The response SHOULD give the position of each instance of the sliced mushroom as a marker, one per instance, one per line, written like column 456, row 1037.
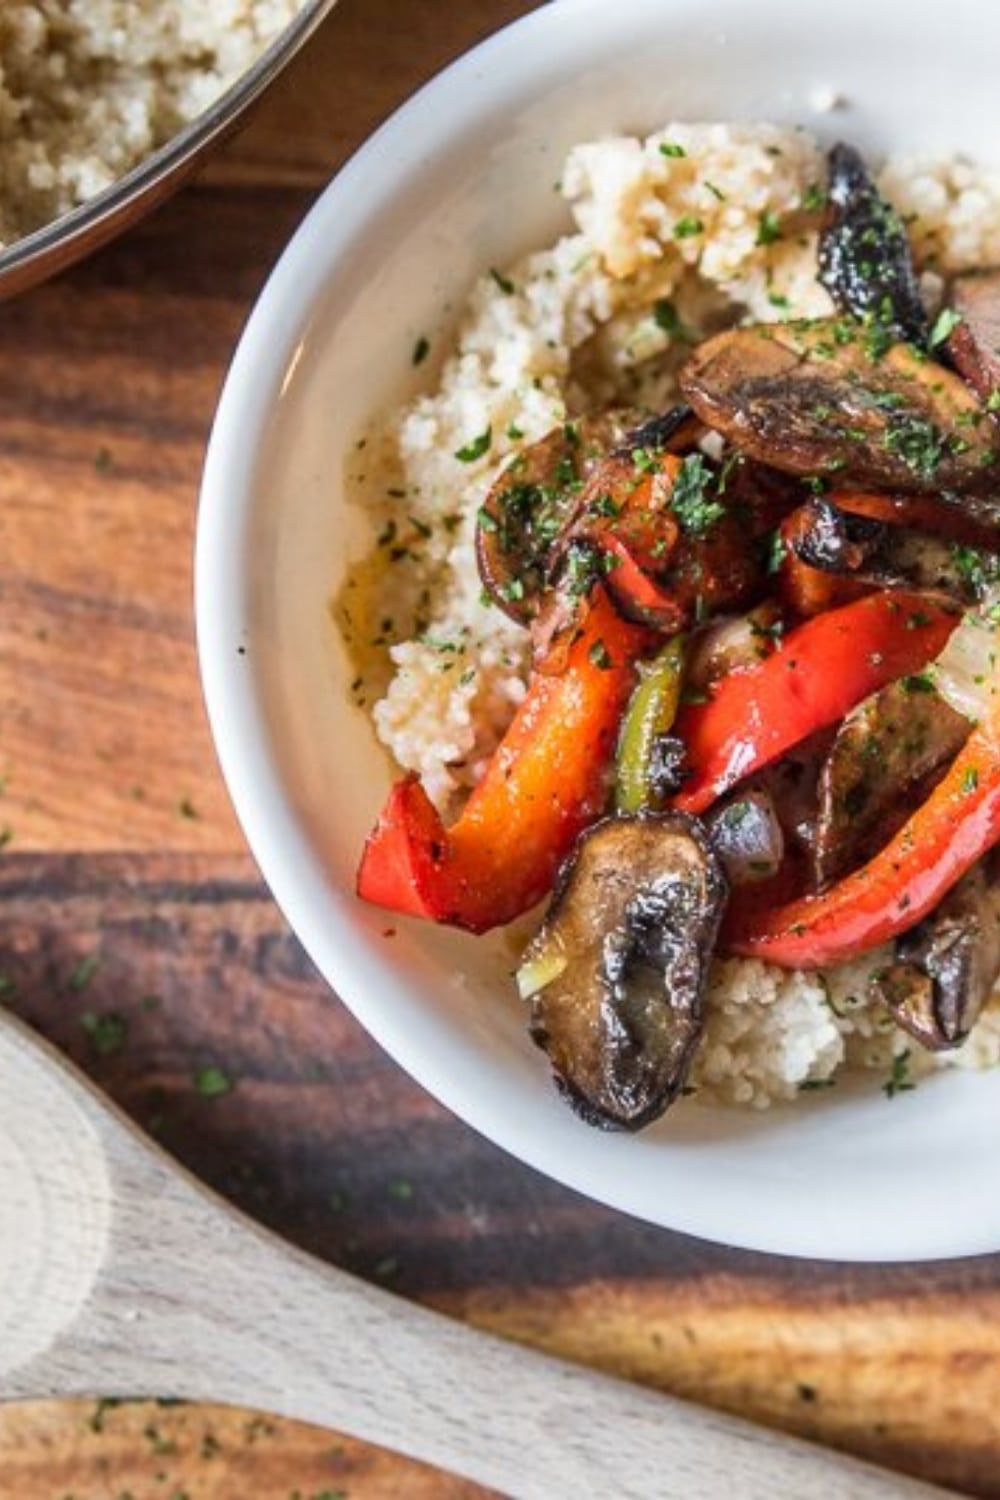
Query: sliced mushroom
column 865, row 261
column 818, row 399
column 892, row 556
column 945, row 968
column 887, row 756
column 974, row 344
column 530, row 503
column 616, row 975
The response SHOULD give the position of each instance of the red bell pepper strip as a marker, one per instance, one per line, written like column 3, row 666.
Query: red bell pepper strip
column 820, row 672
column 546, row 781
column 895, row 890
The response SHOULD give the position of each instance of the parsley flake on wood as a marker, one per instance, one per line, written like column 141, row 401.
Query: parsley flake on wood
column 691, row 505
column 106, row 1033
column 478, row 447
column 421, row 349
column 211, row 1082
column 84, row 972
column 503, row 282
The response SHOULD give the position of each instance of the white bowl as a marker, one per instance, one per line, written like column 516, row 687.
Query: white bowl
column 461, row 179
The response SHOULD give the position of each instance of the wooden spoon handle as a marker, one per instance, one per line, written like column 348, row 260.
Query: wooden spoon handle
column 167, row 1290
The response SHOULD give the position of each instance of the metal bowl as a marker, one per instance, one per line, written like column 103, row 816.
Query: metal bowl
column 73, row 235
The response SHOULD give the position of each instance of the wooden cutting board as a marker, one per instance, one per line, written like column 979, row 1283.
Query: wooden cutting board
column 135, row 933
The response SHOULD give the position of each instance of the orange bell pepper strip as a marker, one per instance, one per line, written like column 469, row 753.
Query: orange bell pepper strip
column 958, row 824
column 547, row 780
column 821, row 670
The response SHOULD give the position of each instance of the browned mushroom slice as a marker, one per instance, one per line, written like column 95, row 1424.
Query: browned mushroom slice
column 530, row 502
column 888, row 754
column 816, row 399
column 616, row 975
column 839, row 541
column 944, row 968
column 865, row 261
column 974, row 344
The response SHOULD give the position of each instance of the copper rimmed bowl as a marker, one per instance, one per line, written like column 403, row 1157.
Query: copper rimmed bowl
column 73, row 235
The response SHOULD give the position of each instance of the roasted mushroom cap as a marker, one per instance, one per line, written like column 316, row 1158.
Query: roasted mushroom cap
column 531, row 501
column 974, row 344
column 865, row 261
column 892, row 556
column 820, row 399
column 946, row 966
column 885, row 760
column 617, row 972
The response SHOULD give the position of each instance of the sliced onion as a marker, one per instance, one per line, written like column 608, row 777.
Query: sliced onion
column 538, row 970
column 967, row 673
column 747, row 837
column 732, row 644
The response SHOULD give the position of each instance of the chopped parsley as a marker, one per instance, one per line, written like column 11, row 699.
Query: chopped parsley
column 666, row 316
column 946, row 323
column 916, row 441
column 671, row 149
column 696, row 513
column 600, row 656
column 970, row 781
column 503, row 282
column 976, row 569
column 919, row 682
column 776, row 553
column 476, row 448
column 687, row 227
column 768, row 227
column 899, row 1081
column 813, row 199
column 421, row 349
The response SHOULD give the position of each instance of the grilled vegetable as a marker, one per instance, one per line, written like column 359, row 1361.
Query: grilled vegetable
column 531, row 501
column 545, row 782
column 616, row 975
column 891, row 556
column 974, row 344
column 865, row 261
column 887, row 755
column 820, row 671
column 673, row 539
column 640, row 781
column 945, row 967
column 956, row 826
column 817, row 399
column 746, row 834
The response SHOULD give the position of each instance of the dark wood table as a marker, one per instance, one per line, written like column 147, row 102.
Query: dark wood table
column 136, row 933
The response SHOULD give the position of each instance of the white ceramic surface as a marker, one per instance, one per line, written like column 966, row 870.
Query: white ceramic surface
column 458, row 180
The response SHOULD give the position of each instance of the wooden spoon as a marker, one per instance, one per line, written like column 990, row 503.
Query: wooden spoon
column 121, row 1275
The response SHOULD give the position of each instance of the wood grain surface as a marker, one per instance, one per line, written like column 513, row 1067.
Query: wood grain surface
column 135, row 933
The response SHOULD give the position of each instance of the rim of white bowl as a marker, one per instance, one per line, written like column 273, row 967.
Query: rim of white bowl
column 323, row 918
